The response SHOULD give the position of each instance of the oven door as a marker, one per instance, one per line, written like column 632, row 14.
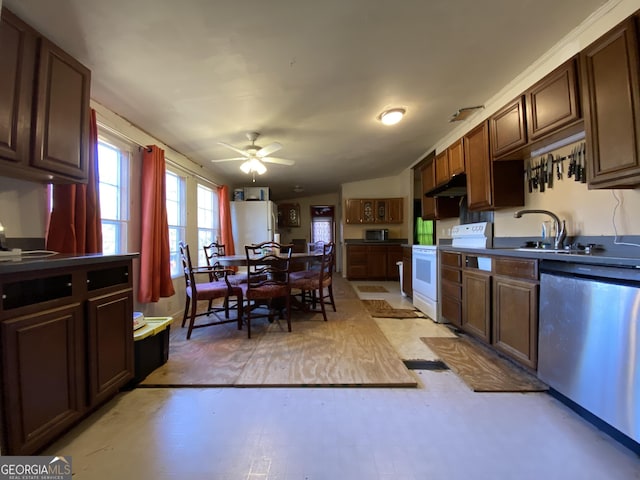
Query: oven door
column 425, row 280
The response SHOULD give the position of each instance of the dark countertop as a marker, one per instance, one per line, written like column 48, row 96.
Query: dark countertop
column 596, row 258
column 32, row 262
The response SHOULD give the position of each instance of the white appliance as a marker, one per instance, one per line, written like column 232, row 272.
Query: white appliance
column 425, row 280
column 252, row 222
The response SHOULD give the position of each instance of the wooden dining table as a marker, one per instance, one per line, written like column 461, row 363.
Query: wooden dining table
column 241, row 260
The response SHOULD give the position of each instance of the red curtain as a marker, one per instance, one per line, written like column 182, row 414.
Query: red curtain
column 155, row 259
column 74, row 225
column 226, row 233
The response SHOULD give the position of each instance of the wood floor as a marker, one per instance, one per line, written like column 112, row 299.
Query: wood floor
column 347, row 350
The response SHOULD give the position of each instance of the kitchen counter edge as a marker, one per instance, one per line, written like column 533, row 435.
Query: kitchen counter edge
column 591, row 259
column 59, row 260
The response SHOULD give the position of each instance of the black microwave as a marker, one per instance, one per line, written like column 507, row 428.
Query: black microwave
column 376, row 235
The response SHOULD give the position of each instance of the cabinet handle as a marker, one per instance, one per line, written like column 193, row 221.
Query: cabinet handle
column 69, row 284
column 88, row 281
column 4, row 296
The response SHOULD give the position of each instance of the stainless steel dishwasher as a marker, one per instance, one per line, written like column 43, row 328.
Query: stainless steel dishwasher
column 589, row 339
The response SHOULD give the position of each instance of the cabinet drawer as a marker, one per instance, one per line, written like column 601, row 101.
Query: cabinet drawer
column 452, row 290
column 451, row 259
column 108, row 277
column 452, row 310
column 516, row 267
column 451, row 275
column 36, row 290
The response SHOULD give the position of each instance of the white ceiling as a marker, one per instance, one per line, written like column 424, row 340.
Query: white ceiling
column 310, row 75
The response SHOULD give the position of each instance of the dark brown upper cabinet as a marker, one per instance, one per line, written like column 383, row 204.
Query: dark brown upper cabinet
column 44, row 107
column 439, row 207
column 17, row 65
column 611, row 91
column 450, row 162
column 553, row 102
column 476, row 151
column 508, row 128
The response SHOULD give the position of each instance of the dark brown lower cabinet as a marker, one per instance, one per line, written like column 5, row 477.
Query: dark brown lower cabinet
column 407, row 271
column 43, row 376
column 451, row 287
column 373, row 262
column 476, row 304
column 66, row 337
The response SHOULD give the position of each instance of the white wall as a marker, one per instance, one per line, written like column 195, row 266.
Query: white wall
column 23, row 208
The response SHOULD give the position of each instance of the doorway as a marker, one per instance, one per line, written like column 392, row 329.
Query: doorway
column 323, row 225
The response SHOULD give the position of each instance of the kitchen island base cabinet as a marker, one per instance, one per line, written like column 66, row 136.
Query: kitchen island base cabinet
column 66, row 339
column 43, row 375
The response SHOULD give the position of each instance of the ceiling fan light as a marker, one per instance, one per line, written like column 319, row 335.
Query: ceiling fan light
column 246, row 166
column 260, row 168
column 392, row 116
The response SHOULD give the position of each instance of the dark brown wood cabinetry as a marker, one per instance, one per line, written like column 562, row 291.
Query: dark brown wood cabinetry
column 490, row 184
column 442, row 167
column 440, row 207
column 450, row 162
column 373, row 262
column 611, row 89
column 554, row 102
column 476, row 151
column 508, row 128
column 515, row 309
column 476, row 304
column 379, row 210
column 44, row 107
column 407, row 271
column 451, row 287
column 67, row 346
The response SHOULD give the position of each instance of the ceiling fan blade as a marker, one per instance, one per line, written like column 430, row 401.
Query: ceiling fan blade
column 271, row 148
column 229, row 159
column 280, row 161
column 235, row 149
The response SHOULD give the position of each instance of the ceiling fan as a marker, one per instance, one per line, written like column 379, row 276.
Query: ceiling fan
column 254, row 155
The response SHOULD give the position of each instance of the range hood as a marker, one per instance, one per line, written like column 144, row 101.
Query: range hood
column 456, row 187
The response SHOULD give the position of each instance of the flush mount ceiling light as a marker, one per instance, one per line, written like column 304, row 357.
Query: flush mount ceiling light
column 464, row 113
column 298, row 189
column 392, row 116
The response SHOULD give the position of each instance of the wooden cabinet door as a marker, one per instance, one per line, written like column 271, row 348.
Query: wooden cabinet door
column 394, row 255
column 352, row 212
column 456, row 158
column 515, row 319
column 61, row 140
column 553, row 102
column 395, row 210
column 381, row 211
column 377, row 263
column 508, row 128
column 43, row 368
column 110, row 344
column 478, row 163
column 436, row 208
column 442, row 167
column 476, row 304
column 356, row 262
column 368, row 212
column 611, row 89
column 407, row 271
column 17, row 64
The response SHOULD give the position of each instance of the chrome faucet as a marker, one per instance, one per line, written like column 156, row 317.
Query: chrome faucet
column 561, row 232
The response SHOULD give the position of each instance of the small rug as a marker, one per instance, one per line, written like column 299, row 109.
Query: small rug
column 372, row 289
column 482, row 369
column 381, row 308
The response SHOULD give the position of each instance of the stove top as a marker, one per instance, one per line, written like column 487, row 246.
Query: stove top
column 473, row 235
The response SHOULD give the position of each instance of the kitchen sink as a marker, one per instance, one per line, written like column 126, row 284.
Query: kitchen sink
column 541, row 250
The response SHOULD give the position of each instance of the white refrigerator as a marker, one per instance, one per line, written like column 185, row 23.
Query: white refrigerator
column 252, row 222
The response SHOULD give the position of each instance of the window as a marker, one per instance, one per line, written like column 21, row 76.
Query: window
column 113, row 170
column 322, row 223
column 208, row 221
column 175, row 218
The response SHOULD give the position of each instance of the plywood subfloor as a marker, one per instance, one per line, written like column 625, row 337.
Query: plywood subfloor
column 382, row 308
column 481, row 369
column 372, row 289
column 347, row 350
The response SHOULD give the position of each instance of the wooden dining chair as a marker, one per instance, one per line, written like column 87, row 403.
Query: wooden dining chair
column 215, row 250
column 317, row 281
column 268, row 270
column 215, row 286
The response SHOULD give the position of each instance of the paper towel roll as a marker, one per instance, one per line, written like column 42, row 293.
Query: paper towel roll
column 276, row 237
